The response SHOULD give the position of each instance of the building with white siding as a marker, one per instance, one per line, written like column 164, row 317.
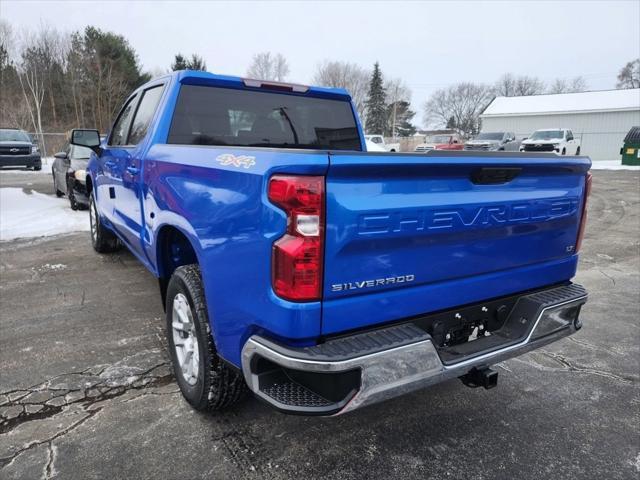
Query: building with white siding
column 600, row 119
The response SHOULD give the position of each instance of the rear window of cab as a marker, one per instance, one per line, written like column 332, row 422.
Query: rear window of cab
column 206, row 115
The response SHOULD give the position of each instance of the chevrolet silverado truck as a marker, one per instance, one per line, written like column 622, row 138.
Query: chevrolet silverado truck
column 441, row 142
column 491, row 141
column 320, row 276
column 561, row 141
column 18, row 150
column 379, row 141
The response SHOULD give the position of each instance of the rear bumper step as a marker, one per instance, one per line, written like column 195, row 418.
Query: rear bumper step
column 347, row 373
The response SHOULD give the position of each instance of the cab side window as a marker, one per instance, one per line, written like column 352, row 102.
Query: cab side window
column 121, row 127
column 144, row 114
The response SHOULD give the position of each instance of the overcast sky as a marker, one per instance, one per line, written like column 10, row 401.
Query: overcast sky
column 429, row 45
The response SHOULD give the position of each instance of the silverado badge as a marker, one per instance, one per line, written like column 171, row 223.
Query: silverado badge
column 236, row 161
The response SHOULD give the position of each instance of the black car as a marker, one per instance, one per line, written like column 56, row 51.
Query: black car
column 18, row 150
column 69, row 175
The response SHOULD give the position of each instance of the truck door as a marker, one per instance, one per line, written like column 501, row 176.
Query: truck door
column 109, row 177
column 128, row 206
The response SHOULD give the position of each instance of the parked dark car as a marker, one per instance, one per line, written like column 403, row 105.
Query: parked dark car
column 18, row 150
column 69, row 175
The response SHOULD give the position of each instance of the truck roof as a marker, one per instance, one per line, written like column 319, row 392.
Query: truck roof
column 196, row 77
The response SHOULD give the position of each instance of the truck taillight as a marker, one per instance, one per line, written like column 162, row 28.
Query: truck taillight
column 583, row 218
column 297, row 255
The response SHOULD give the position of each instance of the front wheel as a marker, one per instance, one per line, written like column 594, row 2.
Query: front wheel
column 59, row 193
column 564, row 151
column 578, row 151
column 72, row 197
column 103, row 240
column 206, row 382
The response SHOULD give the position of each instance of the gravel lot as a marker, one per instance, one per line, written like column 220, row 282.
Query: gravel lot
column 86, row 390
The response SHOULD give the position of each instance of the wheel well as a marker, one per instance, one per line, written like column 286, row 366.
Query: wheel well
column 174, row 250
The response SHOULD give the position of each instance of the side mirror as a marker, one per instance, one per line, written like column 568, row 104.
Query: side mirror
column 61, row 155
column 86, row 138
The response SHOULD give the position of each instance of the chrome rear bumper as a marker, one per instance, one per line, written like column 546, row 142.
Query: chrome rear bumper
column 375, row 366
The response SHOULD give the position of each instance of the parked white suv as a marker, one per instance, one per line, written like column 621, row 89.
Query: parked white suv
column 379, row 141
column 559, row 140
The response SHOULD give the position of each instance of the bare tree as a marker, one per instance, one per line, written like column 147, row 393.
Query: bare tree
column 268, row 66
column 629, row 76
column 505, row 86
column 526, row 85
column 398, row 94
column 463, row 103
column 573, row 85
column 353, row 78
column 509, row 85
column 32, row 77
column 13, row 110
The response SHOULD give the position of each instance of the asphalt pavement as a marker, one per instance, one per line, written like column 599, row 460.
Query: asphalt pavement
column 86, row 390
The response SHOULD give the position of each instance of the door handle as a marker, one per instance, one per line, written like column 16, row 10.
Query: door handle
column 133, row 170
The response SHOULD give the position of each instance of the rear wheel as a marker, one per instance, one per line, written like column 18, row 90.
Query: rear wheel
column 564, row 151
column 37, row 167
column 103, row 240
column 206, row 382
column 578, row 151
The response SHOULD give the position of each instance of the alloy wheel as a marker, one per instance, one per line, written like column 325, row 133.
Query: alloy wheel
column 185, row 339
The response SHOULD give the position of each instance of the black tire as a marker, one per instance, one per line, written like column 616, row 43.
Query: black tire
column 564, row 151
column 36, row 168
column 217, row 385
column 72, row 197
column 59, row 193
column 103, row 240
column 578, row 151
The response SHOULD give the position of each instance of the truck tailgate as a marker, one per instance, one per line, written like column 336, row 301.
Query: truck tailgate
column 409, row 234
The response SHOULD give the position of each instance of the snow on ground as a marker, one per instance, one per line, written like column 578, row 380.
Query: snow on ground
column 612, row 165
column 33, row 214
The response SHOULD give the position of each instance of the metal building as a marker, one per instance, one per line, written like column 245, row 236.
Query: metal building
column 600, row 119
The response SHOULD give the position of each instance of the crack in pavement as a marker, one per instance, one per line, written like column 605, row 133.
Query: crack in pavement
column 591, row 346
column 608, row 276
column 77, row 393
column 244, row 449
column 49, row 471
column 569, row 366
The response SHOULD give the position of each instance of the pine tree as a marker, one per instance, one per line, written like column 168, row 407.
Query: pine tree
column 403, row 117
column 451, row 123
column 196, row 62
column 376, row 104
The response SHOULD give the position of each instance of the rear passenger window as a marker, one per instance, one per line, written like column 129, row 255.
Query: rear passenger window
column 144, row 114
column 121, row 127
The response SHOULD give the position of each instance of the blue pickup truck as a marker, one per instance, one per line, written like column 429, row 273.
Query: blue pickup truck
column 323, row 278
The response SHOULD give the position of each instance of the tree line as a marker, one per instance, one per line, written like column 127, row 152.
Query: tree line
column 52, row 81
